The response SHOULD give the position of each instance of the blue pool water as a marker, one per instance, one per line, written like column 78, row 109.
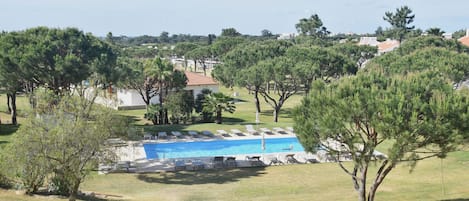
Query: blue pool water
column 220, row 148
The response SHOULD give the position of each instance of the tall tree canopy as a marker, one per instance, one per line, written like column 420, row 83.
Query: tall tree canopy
column 58, row 58
column 400, row 21
column 419, row 114
column 239, row 65
column 312, row 26
column 230, row 32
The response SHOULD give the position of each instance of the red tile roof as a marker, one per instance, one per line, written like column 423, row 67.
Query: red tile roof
column 387, row 46
column 464, row 40
column 194, row 79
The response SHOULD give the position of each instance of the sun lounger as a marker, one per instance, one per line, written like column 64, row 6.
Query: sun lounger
column 162, row 135
column 250, row 129
column 223, row 133
column 176, row 133
column 217, row 162
column 237, row 132
column 207, row 133
column 230, row 162
column 280, row 130
column 275, row 161
column 197, row 165
column 290, row 129
column 255, row 161
column 147, row 136
column 266, row 131
column 179, row 165
column 311, row 160
column 193, row 133
column 290, row 158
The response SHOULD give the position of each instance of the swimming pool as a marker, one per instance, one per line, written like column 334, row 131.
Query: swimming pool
column 220, row 148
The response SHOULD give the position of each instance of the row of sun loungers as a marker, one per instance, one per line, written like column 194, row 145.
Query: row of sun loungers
column 233, row 132
column 219, row 162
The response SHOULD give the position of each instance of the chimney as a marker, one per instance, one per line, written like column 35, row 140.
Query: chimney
column 467, row 32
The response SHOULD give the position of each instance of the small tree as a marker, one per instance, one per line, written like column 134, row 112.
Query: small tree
column 199, row 105
column 217, row 103
column 65, row 142
column 400, row 21
column 180, row 105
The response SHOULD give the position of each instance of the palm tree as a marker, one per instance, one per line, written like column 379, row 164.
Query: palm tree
column 217, row 103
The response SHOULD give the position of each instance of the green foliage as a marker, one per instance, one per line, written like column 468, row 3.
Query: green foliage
column 459, row 33
column 180, row 105
column 65, row 142
column 230, row 32
column 312, row 26
column 435, row 31
column 199, row 101
column 400, row 21
column 58, row 58
column 427, row 53
column 217, row 103
column 153, row 113
column 419, row 113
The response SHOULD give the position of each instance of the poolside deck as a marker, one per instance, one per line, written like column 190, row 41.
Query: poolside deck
column 132, row 157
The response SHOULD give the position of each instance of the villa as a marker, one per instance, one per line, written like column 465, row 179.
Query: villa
column 131, row 99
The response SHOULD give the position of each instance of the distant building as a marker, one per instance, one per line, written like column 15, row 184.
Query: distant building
column 131, row 99
column 387, row 46
column 286, row 36
column 465, row 40
column 371, row 41
column 383, row 47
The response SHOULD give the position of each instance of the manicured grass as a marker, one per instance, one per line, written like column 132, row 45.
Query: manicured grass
column 432, row 179
column 291, row 182
column 245, row 114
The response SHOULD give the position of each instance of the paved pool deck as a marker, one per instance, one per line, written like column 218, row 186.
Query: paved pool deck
column 131, row 154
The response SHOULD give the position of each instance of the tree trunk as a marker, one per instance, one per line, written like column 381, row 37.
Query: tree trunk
column 13, row 110
column 195, row 66
column 256, row 100
column 219, row 117
column 362, row 189
column 8, row 103
column 276, row 111
column 204, row 68
column 161, row 112
column 74, row 192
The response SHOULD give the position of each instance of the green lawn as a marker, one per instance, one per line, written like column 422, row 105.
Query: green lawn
column 245, row 114
column 432, row 179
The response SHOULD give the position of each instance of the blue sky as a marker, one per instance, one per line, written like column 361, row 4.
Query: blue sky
column 201, row 17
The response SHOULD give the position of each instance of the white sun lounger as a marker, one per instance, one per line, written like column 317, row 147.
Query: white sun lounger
column 223, row 133
column 162, row 135
column 266, row 131
column 147, row 136
column 192, row 133
column 237, row 132
column 176, row 133
column 280, row 130
column 207, row 133
column 289, row 128
column 250, row 129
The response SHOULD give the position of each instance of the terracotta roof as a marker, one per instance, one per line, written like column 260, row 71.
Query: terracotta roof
column 388, row 45
column 464, row 40
column 194, row 79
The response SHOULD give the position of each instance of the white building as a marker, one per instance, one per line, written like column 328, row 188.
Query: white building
column 131, row 99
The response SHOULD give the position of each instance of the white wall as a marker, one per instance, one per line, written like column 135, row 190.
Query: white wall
column 198, row 89
column 132, row 97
